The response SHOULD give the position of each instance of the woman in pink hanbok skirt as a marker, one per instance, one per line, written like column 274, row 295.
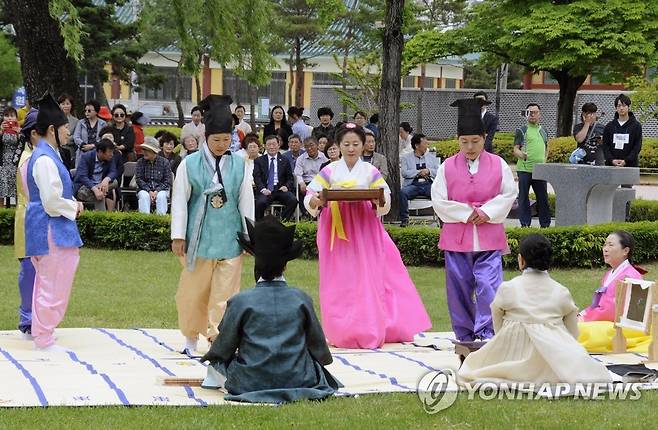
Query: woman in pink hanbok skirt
column 366, row 295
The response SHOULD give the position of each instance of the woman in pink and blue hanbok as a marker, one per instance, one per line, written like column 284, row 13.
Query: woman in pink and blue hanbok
column 366, row 295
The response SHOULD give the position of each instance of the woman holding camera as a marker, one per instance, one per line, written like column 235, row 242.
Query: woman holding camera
column 589, row 136
column 9, row 130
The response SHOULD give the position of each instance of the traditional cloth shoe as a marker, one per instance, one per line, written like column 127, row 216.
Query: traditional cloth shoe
column 51, row 348
column 190, row 346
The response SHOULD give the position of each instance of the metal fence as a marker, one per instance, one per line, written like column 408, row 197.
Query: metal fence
column 440, row 120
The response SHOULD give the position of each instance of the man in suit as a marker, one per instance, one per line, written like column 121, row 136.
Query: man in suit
column 274, row 180
column 96, row 177
column 490, row 121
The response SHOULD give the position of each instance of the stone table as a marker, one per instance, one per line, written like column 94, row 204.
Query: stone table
column 587, row 194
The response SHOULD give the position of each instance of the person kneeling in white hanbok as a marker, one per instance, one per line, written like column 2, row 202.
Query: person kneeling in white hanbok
column 535, row 321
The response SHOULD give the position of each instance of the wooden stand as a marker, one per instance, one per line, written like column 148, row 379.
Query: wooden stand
column 619, row 344
column 653, row 346
column 329, row 195
column 619, row 341
column 174, row 381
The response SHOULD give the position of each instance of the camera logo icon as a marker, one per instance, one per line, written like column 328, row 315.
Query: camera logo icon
column 435, row 391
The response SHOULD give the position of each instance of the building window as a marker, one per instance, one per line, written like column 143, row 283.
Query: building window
column 239, row 89
column 428, row 82
column 323, row 78
column 450, row 83
column 652, row 72
column 409, row 82
column 167, row 91
column 549, row 79
column 595, row 80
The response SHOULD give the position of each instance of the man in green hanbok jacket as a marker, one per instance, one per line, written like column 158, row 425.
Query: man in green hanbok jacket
column 271, row 348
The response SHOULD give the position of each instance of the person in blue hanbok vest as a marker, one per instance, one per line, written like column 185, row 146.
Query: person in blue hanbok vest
column 271, row 347
column 212, row 194
column 51, row 233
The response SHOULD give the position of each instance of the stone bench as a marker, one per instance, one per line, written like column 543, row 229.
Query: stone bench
column 587, row 194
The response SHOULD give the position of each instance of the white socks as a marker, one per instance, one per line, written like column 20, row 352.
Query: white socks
column 191, row 344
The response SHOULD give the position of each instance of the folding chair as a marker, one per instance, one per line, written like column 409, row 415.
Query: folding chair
column 127, row 187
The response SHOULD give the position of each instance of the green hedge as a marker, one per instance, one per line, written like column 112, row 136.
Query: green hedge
column 150, row 130
column 559, row 149
column 578, row 246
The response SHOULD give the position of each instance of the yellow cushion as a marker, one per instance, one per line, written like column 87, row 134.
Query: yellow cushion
column 596, row 337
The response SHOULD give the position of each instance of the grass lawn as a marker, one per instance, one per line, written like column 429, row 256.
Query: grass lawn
column 123, row 289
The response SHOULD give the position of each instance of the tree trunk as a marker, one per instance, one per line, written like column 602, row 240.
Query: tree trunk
column 45, row 65
column 346, row 55
column 203, row 61
column 252, row 109
column 299, row 74
column 291, row 70
column 421, row 94
column 236, row 85
column 389, row 98
column 101, row 97
column 498, row 91
column 179, row 92
column 568, row 89
column 197, row 82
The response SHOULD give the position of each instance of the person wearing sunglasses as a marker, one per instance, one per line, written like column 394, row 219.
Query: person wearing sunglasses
column 531, row 147
column 86, row 134
column 124, row 133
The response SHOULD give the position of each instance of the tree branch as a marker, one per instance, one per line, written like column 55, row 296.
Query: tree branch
column 169, row 58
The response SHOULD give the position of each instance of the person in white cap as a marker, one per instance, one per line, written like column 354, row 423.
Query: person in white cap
column 153, row 177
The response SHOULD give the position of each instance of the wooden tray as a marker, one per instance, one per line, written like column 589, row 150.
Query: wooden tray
column 354, row 195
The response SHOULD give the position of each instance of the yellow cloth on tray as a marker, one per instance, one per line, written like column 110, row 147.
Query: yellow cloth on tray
column 596, row 337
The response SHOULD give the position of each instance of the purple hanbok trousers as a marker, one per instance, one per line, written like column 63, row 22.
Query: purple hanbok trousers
column 25, row 288
column 472, row 279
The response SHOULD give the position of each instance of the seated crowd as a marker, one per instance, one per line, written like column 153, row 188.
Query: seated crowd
column 288, row 159
column 100, row 181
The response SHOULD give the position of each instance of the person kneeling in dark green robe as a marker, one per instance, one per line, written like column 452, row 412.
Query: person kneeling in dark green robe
column 271, row 347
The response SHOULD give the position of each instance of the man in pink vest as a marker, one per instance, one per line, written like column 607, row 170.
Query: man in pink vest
column 472, row 194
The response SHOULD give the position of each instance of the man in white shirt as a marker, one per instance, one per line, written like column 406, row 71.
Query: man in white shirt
column 308, row 166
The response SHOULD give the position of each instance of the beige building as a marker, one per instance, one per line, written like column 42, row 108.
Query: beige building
column 216, row 79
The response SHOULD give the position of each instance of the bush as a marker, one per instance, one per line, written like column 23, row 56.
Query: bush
column 577, row 246
column 559, row 149
column 150, row 130
column 125, row 230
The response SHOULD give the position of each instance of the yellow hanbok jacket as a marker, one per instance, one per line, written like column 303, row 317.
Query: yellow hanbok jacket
column 21, row 203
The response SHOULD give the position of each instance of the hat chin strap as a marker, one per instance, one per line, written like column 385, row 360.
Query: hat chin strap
column 59, row 144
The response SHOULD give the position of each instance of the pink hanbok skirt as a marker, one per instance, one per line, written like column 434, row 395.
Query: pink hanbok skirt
column 366, row 295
